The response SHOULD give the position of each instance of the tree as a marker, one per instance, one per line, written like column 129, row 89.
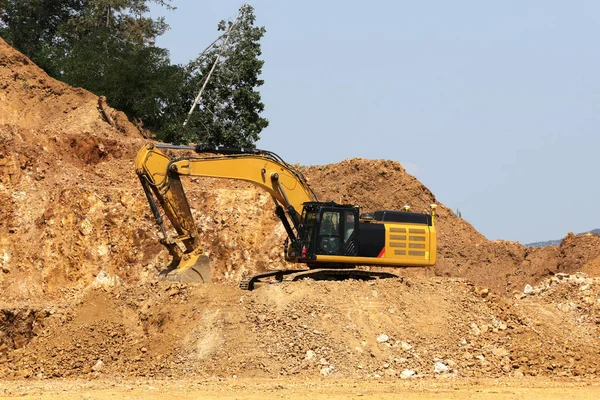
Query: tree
column 33, row 27
column 138, row 80
column 105, row 46
column 229, row 111
column 108, row 47
column 47, row 30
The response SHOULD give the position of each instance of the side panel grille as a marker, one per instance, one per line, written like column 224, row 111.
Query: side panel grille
column 409, row 242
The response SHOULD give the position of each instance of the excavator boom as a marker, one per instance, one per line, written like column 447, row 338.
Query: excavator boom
column 160, row 178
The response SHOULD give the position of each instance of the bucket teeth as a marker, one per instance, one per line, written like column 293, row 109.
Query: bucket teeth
column 197, row 273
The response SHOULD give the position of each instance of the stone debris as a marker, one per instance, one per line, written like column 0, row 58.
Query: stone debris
column 383, row 338
column 405, row 346
column 407, row 373
column 98, row 366
column 105, row 280
column 439, row 367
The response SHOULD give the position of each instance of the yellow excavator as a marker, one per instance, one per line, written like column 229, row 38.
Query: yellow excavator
column 331, row 239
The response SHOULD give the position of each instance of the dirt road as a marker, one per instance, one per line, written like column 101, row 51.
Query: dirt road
column 535, row 388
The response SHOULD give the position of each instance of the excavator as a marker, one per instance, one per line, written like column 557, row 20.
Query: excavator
column 331, row 239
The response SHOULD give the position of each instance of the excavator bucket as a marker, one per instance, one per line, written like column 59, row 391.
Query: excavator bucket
column 198, row 272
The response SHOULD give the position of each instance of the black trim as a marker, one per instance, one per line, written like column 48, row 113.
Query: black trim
column 402, row 216
column 371, row 239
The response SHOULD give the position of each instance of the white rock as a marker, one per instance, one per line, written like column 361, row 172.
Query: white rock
column 106, row 280
column 383, row 338
column 98, row 366
column 528, row 289
column 407, row 373
column 102, row 250
column 19, row 195
column 577, row 279
column 86, row 227
column 310, row 355
column 440, row 367
column 326, row 371
column 405, row 346
column 5, row 262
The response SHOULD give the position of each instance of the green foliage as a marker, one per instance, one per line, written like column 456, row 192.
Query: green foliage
column 47, row 30
column 138, row 80
column 34, row 27
column 107, row 47
column 230, row 107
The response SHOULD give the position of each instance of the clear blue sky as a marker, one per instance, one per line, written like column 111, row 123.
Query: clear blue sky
column 494, row 106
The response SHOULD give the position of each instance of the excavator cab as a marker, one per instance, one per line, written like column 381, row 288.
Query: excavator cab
column 328, row 229
column 337, row 235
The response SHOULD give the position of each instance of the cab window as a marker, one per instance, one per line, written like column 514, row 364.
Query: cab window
column 329, row 233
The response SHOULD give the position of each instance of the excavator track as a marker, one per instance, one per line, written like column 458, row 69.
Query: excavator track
column 248, row 282
column 316, row 274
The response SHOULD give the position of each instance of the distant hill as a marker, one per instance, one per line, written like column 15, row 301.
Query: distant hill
column 556, row 242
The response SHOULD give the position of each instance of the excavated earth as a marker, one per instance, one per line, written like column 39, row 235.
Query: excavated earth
column 79, row 259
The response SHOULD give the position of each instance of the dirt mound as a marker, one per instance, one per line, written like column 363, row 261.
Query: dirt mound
column 385, row 185
column 416, row 327
column 462, row 251
column 63, row 196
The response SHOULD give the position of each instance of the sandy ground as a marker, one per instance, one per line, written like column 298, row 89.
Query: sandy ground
column 315, row 389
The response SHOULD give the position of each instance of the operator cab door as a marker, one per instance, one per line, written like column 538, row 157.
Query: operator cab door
column 337, row 233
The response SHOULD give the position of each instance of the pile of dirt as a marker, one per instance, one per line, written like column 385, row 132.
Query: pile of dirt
column 80, row 254
column 65, row 178
column 462, row 251
column 409, row 327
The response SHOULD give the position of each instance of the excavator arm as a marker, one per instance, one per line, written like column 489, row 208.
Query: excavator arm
column 160, row 177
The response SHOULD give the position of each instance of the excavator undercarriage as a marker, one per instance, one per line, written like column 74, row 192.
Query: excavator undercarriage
column 291, row 275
